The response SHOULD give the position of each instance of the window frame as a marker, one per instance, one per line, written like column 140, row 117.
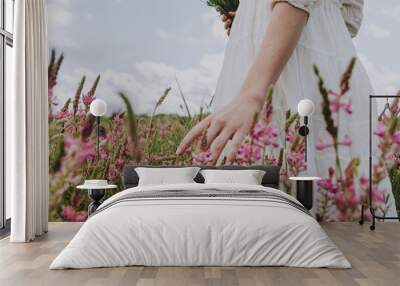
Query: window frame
column 6, row 39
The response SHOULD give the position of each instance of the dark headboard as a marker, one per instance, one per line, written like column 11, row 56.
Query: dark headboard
column 130, row 178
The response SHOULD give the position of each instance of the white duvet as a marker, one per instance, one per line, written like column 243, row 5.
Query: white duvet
column 200, row 231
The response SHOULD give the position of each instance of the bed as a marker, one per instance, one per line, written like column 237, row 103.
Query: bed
column 198, row 224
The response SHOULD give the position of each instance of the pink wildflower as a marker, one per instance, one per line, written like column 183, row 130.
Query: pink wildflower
column 335, row 103
column 265, row 134
column 290, row 136
column 202, row 158
column 346, row 141
column 320, row 146
column 248, row 152
column 87, row 99
column 327, row 184
column 84, row 150
column 364, row 181
column 296, row 160
column 271, row 160
column 62, row 114
column 380, row 131
column 70, row 214
column 347, row 106
column 396, row 137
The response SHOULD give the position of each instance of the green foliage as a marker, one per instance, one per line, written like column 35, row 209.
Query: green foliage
column 78, row 93
column 131, row 120
column 395, row 179
column 224, row 6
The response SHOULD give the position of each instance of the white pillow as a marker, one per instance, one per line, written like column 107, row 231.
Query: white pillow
column 165, row 176
column 248, row 177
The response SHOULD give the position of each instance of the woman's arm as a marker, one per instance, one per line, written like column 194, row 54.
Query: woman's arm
column 235, row 120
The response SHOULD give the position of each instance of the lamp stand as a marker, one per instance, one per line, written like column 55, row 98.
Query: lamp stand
column 98, row 138
column 303, row 131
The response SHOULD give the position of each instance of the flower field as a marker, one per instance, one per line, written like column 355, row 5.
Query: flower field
column 126, row 137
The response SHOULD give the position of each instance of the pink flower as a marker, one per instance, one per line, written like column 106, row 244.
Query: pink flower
column 346, row 141
column 290, row 136
column 248, row 152
column 380, row 130
column 271, row 160
column 364, row 181
column 352, row 199
column 70, row 214
column 87, row 99
column 320, row 146
column 87, row 152
column 258, row 131
column 378, row 196
column 327, row 184
column 347, row 106
column 114, row 172
column 62, row 114
column 340, row 199
column 265, row 134
column 296, row 160
column 336, row 104
column 396, row 137
column 202, row 158
column 84, row 150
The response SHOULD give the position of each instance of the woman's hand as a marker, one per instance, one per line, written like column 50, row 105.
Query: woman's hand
column 228, row 20
column 233, row 122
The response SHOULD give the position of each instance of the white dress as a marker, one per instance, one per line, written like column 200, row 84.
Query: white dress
column 325, row 41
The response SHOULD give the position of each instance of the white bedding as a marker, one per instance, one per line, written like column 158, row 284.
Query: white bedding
column 200, row 231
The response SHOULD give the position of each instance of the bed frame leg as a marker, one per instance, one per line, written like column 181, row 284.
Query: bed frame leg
column 372, row 226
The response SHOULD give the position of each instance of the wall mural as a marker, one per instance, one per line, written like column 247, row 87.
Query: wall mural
column 153, row 104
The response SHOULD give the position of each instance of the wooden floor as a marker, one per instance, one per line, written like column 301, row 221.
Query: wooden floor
column 375, row 257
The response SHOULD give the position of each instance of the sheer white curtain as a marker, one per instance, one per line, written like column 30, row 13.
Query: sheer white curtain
column 27, row 124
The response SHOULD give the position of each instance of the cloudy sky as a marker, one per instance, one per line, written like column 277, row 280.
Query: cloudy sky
column 143, row 47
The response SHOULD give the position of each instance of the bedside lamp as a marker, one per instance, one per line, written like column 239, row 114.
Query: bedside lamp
column 305, row 109
column 98, row 108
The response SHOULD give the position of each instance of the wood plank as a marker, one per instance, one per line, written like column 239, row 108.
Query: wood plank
column 375, row 257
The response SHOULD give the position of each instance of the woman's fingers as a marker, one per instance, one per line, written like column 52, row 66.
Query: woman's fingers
column 219, row 144
column 228, row 20
column 215, row 127
column 237, row 141
column 195, row 133
column 228, row 24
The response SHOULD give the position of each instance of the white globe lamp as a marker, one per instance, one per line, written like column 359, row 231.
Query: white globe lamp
column 98, row 107
column 305, row 107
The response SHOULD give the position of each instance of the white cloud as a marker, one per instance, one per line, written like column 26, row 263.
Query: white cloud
column 60, row 18
column 384, row 80
column 147, row 83
column 393, row 11
column 377, row 32
column 212, row 20
column 59, row 14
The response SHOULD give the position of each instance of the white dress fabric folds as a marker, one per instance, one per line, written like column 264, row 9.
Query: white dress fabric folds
column 326, row 42
column 27, row 124
column 200, row 231
column 352, row 10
